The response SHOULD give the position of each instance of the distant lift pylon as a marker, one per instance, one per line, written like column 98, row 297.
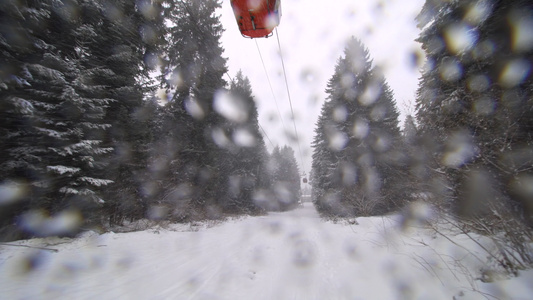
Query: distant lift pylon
column 257, row 18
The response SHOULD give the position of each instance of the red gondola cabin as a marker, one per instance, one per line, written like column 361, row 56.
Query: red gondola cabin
column 256, row 18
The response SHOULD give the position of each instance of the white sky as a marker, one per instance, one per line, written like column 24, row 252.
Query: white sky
column 312, row 36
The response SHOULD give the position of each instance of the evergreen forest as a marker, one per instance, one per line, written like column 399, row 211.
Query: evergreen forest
column 113, row 111
column 466, row 154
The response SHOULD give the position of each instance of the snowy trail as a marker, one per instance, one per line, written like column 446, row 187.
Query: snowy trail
column 291, row 255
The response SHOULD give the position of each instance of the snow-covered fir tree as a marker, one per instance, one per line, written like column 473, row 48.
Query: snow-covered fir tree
column 474, row 104
column 55, row 143
column 243, row 155
column 356, row 159
column 285, row 176
column 118, row 56
column 192, row 74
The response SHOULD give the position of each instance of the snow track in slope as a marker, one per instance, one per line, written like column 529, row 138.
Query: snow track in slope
column 290, row 255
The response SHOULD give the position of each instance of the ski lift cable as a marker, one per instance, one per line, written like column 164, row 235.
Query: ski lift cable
column 290, row 101
column 272, row 144
column 231, row 79
column 270, row 84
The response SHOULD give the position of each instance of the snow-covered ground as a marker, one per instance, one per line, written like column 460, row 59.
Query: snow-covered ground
column 290, row 255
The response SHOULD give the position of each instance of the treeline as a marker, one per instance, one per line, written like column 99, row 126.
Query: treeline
column 468, row 152
column 90, row 137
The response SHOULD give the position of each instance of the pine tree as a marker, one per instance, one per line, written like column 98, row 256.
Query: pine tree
column 286, row 188
column 409, row 129
column 193, row 73
column 472, row 112
column 119, row 54
column 54, row 144
column 416, row 157
column 242, row 155
column 356, row 161
column 289, row 175
column 323, row 158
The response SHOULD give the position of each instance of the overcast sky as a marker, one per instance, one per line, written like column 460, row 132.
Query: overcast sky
column 312, row 35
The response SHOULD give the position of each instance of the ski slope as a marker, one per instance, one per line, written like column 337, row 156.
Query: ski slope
column 290, row 255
